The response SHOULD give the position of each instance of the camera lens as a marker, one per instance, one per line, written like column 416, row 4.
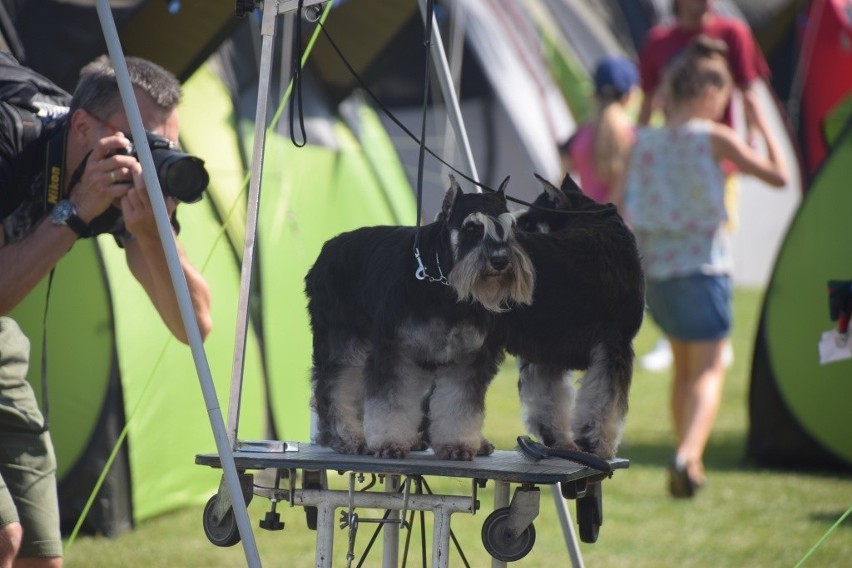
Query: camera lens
column 183, row 176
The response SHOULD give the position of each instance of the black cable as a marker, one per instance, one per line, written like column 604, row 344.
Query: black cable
column 421, row 158
column 425, row 148
column 296, row 62
column 45, row 401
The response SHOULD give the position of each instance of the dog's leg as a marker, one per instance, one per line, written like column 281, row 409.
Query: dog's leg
column 393, row 405
column 338, row 395
column 602, row 400
column 457, row 412
column 547, row 400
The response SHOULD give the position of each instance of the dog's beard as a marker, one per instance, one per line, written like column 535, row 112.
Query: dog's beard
column 497, row 292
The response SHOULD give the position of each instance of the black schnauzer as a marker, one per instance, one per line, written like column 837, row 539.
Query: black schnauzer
column 588, row 305
column 385, row 340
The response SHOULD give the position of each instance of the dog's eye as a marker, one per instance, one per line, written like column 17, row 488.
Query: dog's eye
column 473, row 231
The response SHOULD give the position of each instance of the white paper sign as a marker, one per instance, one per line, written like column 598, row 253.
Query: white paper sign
column 834, row 347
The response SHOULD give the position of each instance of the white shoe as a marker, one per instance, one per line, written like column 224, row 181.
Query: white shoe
column 659, row 358
column 728, row 355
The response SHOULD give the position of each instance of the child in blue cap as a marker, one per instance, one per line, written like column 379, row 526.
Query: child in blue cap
column 598, row 150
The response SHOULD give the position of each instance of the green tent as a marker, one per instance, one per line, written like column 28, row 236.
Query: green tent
column 799, row 408
column 112, row 364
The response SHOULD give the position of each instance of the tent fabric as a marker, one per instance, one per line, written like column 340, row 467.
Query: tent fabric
column 826, row 66
column 813, row 397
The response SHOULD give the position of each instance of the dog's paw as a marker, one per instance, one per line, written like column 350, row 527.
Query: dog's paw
column 566, row 445
column 595, row 447
column 391, row 450
column 456, row 452
column 350, row 447
column 486, row 448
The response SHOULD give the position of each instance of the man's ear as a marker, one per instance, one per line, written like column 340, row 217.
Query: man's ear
column 80, row 125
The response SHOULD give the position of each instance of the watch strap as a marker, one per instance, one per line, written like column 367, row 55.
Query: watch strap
column 77, row 225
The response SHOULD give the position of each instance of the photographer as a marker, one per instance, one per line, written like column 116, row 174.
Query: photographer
column 95, row 186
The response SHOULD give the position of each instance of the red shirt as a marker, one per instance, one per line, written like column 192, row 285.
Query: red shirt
column 664, row 42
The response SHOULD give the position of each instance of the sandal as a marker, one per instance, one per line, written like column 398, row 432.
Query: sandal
column 681, row 485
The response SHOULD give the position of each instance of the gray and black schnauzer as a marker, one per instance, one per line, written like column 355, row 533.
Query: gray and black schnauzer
column 385, row 341
column 588, row 305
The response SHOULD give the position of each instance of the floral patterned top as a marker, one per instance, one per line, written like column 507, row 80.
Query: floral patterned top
column 674, row 201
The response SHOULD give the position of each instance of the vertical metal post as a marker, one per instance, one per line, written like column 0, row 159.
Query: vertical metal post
column 390, row 539
column 439, row 59
column 181, row 289
column 441, row 537
column 325, row 534
column 267, row 32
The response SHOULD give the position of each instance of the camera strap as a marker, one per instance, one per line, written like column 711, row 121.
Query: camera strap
column 54, row 167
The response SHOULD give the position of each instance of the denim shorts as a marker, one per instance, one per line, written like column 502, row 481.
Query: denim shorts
column 695, row 307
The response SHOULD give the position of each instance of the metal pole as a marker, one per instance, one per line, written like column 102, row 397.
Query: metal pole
column 439, row 59
column 390, row 542
column 567, row 527
column 501, row 499
column 161, row 215
column 267, row 32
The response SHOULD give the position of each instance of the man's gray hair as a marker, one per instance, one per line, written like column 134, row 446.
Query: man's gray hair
column 97, row 91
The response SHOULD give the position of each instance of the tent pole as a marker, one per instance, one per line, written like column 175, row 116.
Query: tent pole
column 161, row 216
column 439, row 59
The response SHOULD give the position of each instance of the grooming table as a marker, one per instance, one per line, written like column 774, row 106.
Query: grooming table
column 508, row 533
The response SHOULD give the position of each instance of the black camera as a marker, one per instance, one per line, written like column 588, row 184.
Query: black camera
column 181, row 175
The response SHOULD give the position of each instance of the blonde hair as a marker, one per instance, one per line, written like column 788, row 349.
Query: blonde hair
column 613, row 137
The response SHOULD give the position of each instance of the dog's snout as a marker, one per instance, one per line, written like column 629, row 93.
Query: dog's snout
column 499, row 262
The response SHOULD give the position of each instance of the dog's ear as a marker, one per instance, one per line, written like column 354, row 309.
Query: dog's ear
column 501, row 191
column 557, row 196
column 569, row 185
column 453, row 193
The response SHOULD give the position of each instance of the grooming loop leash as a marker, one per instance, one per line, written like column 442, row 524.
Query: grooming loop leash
column 421, row 269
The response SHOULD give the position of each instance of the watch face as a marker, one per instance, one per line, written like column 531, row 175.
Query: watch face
column 62, row 211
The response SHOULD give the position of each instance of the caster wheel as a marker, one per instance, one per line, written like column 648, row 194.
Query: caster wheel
column 221, row 532
column 502, row 545
column 590, row 514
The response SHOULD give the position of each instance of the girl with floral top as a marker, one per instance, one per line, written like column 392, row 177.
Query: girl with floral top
column 674, row 201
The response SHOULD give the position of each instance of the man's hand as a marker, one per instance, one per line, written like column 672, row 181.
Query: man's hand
column 138, row 214
column 107, row 178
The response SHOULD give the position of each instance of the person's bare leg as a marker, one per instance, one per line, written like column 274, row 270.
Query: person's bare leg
column 708, row 379
column 38, row 562
column 10, row 542
column 681, row 387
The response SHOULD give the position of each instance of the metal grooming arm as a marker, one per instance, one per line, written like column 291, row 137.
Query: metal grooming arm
column 158, row 203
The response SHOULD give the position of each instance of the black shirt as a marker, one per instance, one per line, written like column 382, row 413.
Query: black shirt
column 29, row 179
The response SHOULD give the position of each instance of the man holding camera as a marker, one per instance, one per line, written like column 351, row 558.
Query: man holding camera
column 78, row 179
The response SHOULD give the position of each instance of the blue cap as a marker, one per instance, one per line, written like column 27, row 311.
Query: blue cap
column 615, row 76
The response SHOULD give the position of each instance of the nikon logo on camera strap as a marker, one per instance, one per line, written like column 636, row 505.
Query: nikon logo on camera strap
column 54, row 167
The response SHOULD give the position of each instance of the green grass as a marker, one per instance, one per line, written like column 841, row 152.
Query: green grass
column 745, row 517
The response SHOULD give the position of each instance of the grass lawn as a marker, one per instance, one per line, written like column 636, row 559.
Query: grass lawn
column 744, row 517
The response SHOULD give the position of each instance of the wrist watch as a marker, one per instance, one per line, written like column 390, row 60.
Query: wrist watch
column 65, row 213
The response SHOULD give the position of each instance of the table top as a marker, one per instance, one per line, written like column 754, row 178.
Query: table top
column 502, row 465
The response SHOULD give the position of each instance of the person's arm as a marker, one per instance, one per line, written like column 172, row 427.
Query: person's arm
column 646, row 109
column 25, row 262
column 147, row 262
column 755, row 119
column 729, row 146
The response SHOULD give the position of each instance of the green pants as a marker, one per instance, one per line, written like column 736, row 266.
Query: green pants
column 27, row 462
